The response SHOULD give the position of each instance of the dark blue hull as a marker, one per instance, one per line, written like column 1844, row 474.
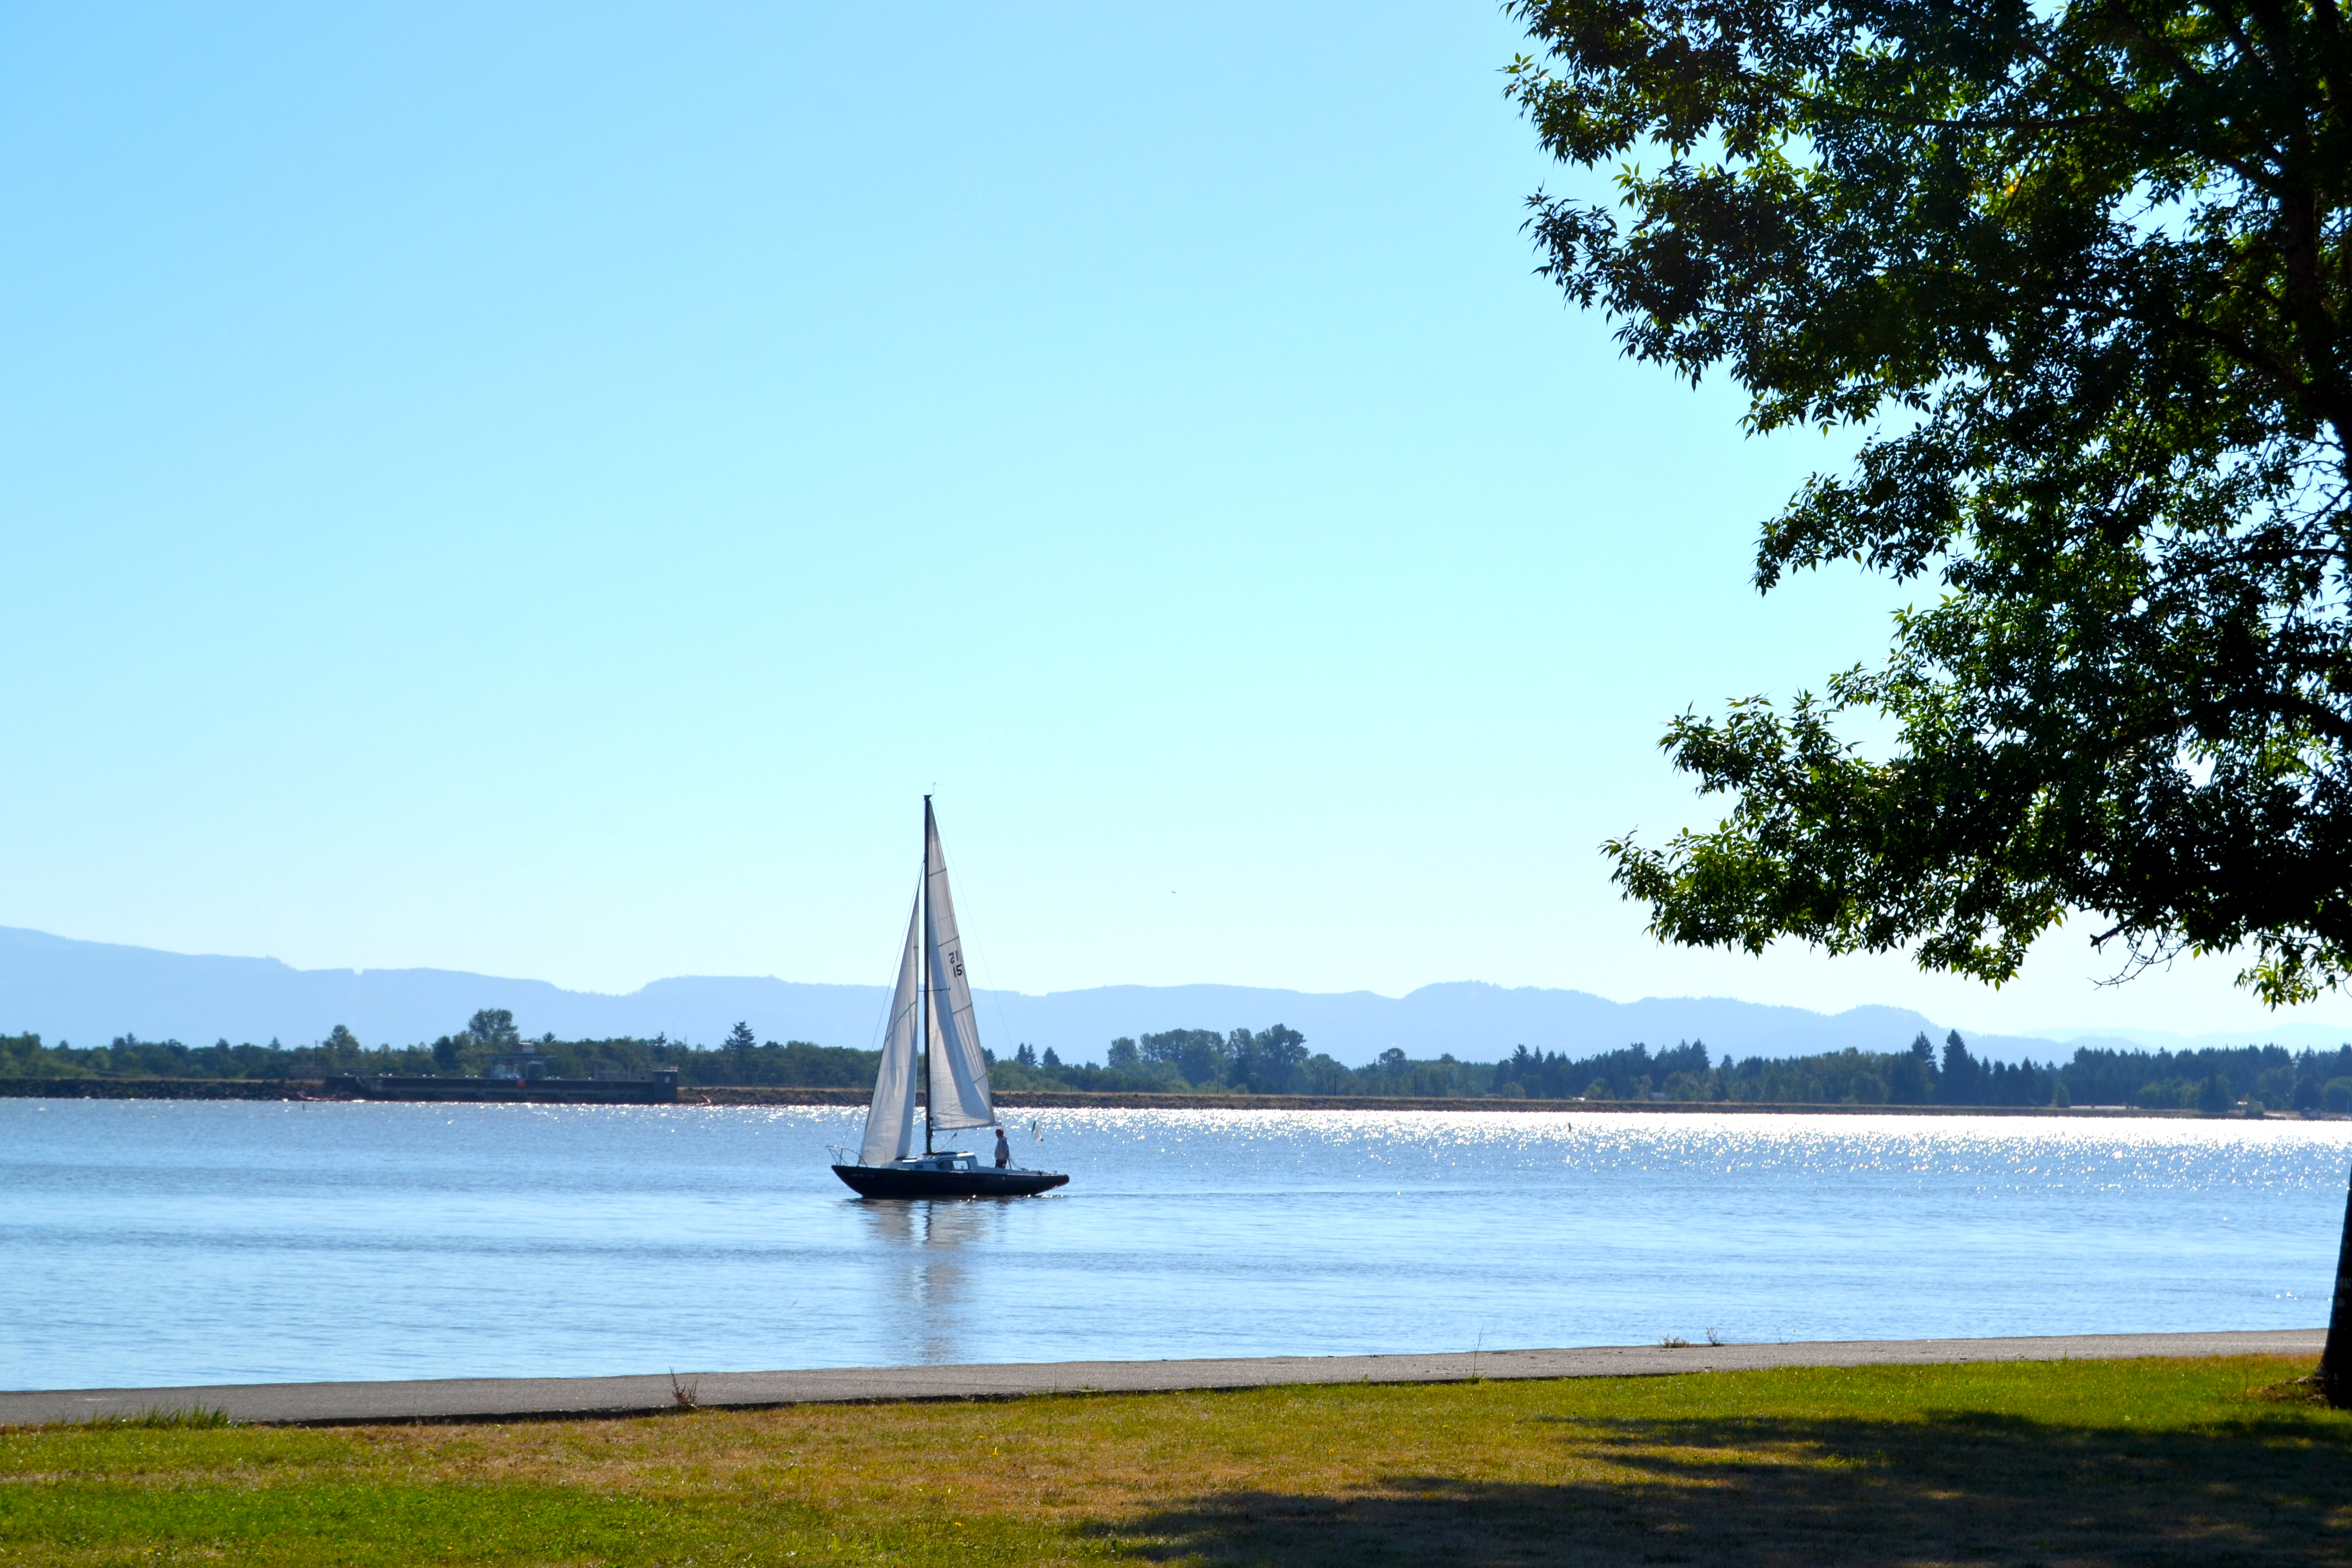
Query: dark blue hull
column 898, row 1182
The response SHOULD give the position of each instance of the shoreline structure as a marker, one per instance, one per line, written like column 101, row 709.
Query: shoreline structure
column 1052, row 1100
column 480, row 1399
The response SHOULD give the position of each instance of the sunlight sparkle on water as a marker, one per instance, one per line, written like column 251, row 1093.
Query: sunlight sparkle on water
column 181, row 1241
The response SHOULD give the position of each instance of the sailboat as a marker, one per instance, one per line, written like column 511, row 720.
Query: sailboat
column 932, row 1003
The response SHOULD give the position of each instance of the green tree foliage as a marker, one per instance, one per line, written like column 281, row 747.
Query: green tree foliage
column 1962, row 1073
column 1910, row 1077
column 494, row 1028
column 1265, row 1062
column 465, row 1053
column 1199, row 1056
column 1276, row 1061
column 1273, row 1060
column 2083, row 273
column 1628, row 1074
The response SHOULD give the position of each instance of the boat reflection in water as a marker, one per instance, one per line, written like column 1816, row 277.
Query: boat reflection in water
column 935, row 1233
column 955, row 1091
column 934, row 1258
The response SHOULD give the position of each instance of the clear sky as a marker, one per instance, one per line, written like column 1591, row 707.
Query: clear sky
column 546, row 490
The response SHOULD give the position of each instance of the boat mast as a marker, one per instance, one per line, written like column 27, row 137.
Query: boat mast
column 923, row 988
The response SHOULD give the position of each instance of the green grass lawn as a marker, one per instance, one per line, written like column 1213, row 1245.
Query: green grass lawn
column 2084, row 1462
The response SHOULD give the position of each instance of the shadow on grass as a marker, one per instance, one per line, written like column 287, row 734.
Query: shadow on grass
column 1957, row 1488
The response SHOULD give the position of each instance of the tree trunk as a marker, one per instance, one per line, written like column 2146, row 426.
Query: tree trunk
column 2336, row 1360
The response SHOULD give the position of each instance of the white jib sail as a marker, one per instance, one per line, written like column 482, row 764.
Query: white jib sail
column 890, row 1121
column 959, row 1072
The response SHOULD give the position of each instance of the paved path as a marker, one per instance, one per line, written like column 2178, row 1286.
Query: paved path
column 527, row 1398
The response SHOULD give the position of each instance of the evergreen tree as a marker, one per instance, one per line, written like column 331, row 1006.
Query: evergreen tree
column 2215, row 1097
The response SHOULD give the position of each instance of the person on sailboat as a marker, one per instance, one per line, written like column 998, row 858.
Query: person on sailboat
column 1003, row 1150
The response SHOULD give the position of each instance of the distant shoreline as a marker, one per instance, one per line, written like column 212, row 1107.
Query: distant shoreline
column 1035, row 1100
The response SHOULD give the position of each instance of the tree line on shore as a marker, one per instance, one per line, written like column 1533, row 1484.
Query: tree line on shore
column 465, row 1053
column 2210, row 1080
column 1276, row 1060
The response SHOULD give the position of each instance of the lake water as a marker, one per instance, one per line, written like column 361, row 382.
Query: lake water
column 170, row 1242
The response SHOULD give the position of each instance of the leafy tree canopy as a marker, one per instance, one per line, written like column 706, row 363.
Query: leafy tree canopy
column 495, row 1028
column 2081, row 270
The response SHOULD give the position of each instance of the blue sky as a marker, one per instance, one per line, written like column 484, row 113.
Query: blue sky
column 546, row 490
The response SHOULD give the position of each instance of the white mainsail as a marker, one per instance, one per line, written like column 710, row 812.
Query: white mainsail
column 959, row 1072
column 890, row 1121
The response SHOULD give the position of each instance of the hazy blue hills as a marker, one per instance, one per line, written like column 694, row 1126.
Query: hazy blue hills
column 88, row 993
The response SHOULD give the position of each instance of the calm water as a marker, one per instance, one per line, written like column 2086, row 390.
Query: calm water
column 181, row 1242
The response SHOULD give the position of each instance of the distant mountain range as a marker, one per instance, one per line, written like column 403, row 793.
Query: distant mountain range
column 88, row 993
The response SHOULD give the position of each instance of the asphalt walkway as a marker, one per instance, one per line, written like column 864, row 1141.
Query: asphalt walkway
column 542, row 1398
